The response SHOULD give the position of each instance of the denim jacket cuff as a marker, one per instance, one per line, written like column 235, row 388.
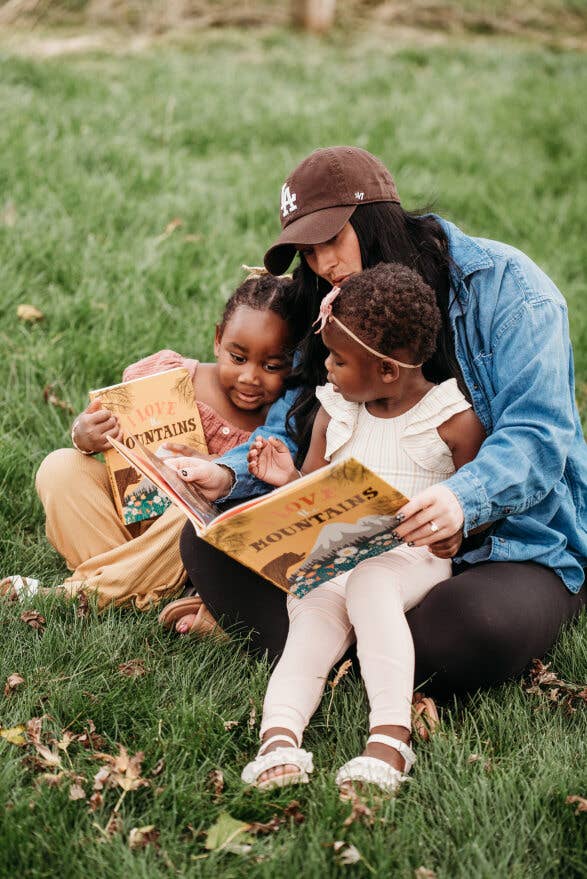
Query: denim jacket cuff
column 225, row 497
column 472, row 496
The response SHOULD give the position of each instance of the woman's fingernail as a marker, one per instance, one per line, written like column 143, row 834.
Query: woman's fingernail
column 399, row 518
column 396, row 536
column 183, row 472
column 411, row 543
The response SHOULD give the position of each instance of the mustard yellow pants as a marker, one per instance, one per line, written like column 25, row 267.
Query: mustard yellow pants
column 122, row 564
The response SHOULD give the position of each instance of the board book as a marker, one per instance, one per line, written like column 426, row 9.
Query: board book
column 297, row 536
column 152, row 409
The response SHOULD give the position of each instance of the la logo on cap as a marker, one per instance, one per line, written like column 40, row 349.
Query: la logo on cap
column 288, row 201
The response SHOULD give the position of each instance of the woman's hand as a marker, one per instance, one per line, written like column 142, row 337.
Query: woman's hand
column 434, row 516
column 447, row 549
column 93, row 426
column 213, row 480
column 271, row 461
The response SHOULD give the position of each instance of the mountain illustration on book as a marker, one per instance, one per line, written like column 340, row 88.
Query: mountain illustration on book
column 143, row 500
column 340, row 547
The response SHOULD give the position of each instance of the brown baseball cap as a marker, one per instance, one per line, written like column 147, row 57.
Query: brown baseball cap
column 320, row 195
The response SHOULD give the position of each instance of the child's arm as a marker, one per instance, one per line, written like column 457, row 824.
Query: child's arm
column 464, row 435
column 270, row 459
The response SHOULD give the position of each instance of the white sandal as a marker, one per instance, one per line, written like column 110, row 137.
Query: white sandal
column 19, row 587
column 279, row 757
column 372, row 770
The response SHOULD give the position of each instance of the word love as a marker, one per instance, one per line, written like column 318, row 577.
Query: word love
column 151, row 410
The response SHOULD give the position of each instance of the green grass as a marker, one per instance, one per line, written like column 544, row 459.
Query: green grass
column 98, row 153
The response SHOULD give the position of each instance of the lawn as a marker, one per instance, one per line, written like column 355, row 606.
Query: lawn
column 101, row 154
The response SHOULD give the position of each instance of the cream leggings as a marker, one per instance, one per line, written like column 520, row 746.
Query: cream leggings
column 138, row 564
column 368, row 605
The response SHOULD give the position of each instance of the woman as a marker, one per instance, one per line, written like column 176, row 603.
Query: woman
column 518, row 511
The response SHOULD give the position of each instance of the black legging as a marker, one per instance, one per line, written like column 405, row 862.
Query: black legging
column 478, row 628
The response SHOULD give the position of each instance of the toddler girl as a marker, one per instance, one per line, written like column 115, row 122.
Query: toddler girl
column 141, row 563
column 379, row 327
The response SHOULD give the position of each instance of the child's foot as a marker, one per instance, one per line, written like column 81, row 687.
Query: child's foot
column 385, row 762
column 16, row 587
column 271, row 767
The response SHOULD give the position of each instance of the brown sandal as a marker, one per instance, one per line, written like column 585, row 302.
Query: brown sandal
column 204, row 623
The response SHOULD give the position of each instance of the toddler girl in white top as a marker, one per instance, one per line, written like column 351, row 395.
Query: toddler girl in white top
column 379, row 327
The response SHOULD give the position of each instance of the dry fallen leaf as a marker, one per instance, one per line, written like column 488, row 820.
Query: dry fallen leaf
column 158, row 768
column 252, row 714
column 134, row 668
column 170, row 228
column 29, row 313
column 581, row 803
column 53, row 399
column 14, row 734
column 126, row 770
column 51, row 779
column 424, row 873
column 545, row 683
column 216, row 782
column 83, row 605
column 46, row 757
column 76, row 792
column 114, row 824
column 34, row 727
column 141, row 837
column 34, row 619
column 425, row 718
column 230, row 724
column 346, row 854
column 95, row 802
column 12, row 682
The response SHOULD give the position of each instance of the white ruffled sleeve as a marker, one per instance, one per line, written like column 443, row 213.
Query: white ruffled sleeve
column 421, row 440
column 343, row 418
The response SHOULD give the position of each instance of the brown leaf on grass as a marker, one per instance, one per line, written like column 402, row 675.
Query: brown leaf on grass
column 12, row 682
column 581, row 803
column 33, row 729
column 114, row 824
column 76, row 792
column 170, row 228
column 293, row 812
column 346, row 854
column 360, row 811
column 34, row 619
column 230, row 724
column 134, row 668
column 83, row 605
column 66, row 740
column 29, row 314
column 90, row 739
column 545, row 683
column 46, row 758
column 52, row 779
column 473, row 758
column 252, row 715
column 158, row 768
column 424, row 873
column 126, row 770
column 101, row 778
column 141, row 837
column 216, row 782
column 50, row 397
column 95, row 802
column 15, row 735
column 271, row 826
column 425, row 718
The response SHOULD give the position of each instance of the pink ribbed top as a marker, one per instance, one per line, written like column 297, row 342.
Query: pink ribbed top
column 220, row 434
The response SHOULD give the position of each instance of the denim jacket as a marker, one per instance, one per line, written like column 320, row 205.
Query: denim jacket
column 529, row 478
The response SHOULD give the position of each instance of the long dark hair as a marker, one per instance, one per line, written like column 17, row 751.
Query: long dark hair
column 387, row 233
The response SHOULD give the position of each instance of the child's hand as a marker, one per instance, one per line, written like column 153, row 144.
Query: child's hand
column 213, row 480
column 271, row 461
column 93, row 427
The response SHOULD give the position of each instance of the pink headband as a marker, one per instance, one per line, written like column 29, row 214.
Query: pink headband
column 326, row 316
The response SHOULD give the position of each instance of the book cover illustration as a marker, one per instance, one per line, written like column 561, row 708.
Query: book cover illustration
column 151, row 410
column 297, row 536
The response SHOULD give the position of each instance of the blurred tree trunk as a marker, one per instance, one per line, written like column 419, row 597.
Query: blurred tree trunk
column 316, row 16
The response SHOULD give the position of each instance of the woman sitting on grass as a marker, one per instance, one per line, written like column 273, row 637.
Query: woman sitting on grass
column 378, row 328
column 140, row 563
column 505, row 339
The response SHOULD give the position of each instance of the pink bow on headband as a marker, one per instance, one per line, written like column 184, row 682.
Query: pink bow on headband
column 325, row 312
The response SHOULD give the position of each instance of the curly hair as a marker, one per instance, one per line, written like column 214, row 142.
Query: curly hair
column 265, row 292
column 388, row 307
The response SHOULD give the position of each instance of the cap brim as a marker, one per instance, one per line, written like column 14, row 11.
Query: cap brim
column 314, row 228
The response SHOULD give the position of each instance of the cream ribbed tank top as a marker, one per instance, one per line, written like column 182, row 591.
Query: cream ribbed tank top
column 407, row 451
